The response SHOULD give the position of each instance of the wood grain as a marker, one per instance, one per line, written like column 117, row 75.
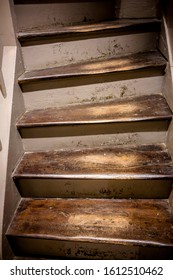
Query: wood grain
column 141, row 108
column 135, row 222
column 127, row 162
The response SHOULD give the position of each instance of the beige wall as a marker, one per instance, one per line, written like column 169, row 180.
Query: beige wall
column 8, row 67
column 168, row 83
column 168, row 86
column 7, row 58
column 169, row 21
column 10, row 107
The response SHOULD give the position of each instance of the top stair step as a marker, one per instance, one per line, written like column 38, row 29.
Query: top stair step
column 53, row 33
column 146, row 63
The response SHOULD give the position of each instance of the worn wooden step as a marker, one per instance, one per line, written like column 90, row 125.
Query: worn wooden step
column 142, row 171
column 77, row 50
column 119, row 229
column 121, row 115
column 126, row 67
column 55, row 33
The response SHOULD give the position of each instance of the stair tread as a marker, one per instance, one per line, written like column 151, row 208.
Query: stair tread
column 139, row 61
column 134, row 222
column 140, row 108
column 87, row 29
column 119, row 162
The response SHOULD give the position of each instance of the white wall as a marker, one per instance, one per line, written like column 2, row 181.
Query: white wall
column 9, row 140
column 168, row 85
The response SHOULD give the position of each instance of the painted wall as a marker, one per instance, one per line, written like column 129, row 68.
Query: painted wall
column 168, row 21
column 10, row 107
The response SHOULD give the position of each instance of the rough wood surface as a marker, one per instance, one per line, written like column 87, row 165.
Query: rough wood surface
column 140, row 108
column 139, row 61
column 48, row 33
column 135, row 222
column 127, row 162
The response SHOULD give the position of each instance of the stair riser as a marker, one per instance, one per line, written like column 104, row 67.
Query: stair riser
column 32, row 14
column 94, row 188
column 37, row 15
column 62, row 53
column 92, row 93
column 94, row 129
column 138, row 9
column 84, row 250
column 111, row 140
column 63, row 82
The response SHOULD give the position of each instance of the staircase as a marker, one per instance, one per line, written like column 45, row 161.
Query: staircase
column 96, row 175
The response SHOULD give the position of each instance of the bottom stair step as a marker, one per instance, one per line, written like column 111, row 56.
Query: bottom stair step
column 93, row 229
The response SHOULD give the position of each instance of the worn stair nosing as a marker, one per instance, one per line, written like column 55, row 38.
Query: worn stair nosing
column 94, row 176
column 93, row 240
column 19, row 125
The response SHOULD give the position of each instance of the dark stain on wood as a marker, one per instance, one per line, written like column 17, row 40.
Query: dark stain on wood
column 127, row 162
column 135, row 222
column 153, row 107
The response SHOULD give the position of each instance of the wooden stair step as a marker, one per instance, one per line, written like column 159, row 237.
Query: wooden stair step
column 120, row 171
column 40, row 225
column 53, row 33
column 151, row 161
column 97, row 116
column 152, row 60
